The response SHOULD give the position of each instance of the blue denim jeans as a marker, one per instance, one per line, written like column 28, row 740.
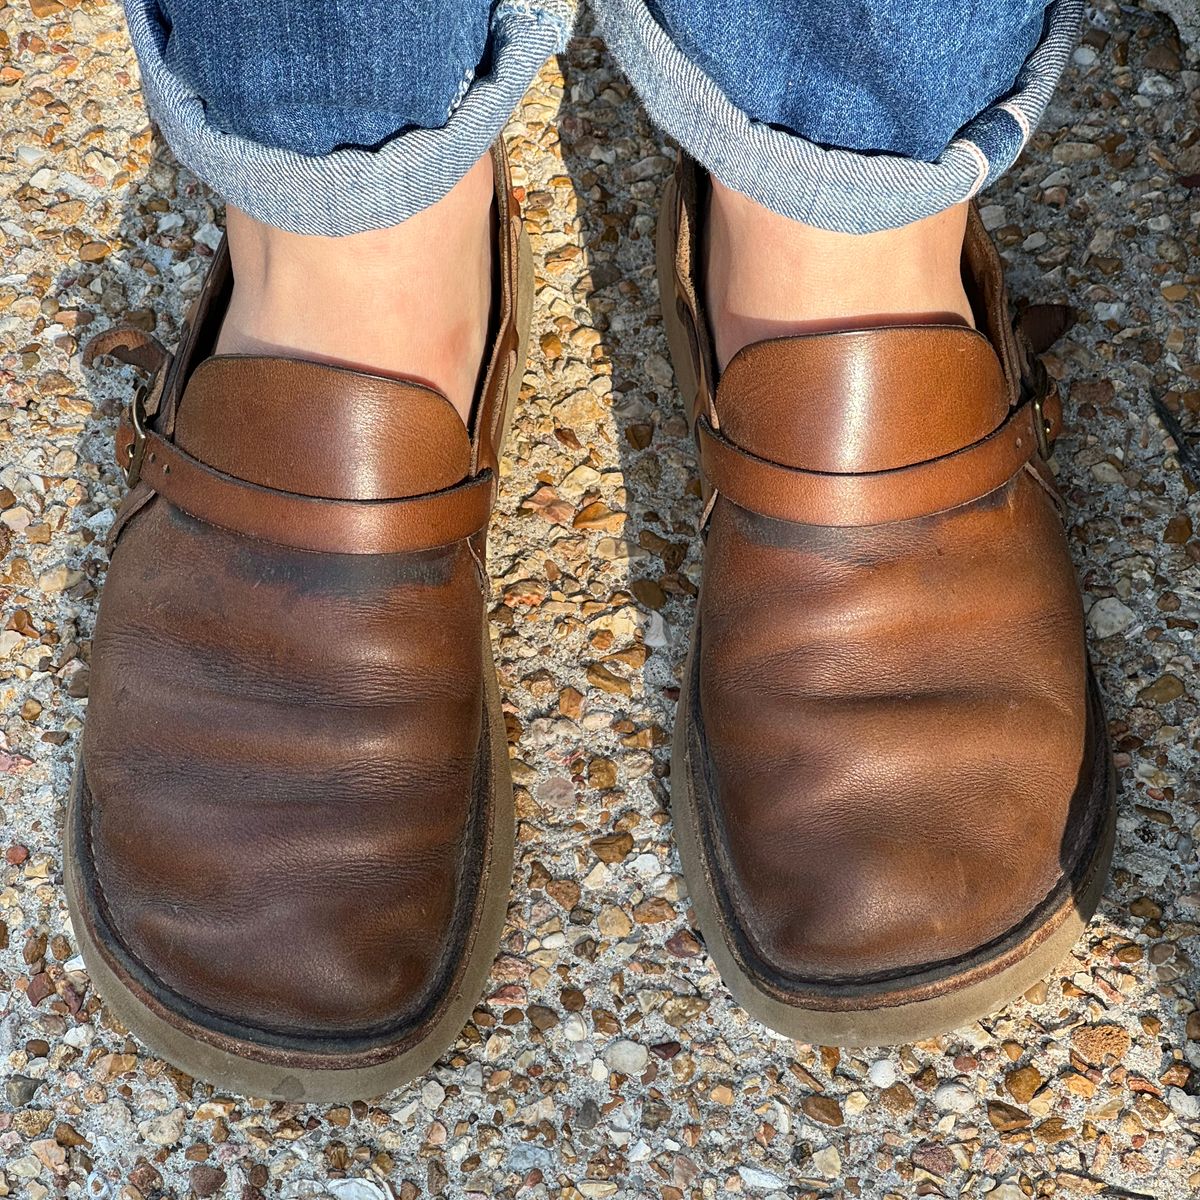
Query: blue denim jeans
column 335, row 116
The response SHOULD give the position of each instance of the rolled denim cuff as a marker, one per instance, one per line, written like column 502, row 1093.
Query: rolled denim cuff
column 350, row 190
column 845, row 191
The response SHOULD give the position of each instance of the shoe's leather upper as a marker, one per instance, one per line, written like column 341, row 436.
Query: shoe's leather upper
column 287, row 758
column 891, row 690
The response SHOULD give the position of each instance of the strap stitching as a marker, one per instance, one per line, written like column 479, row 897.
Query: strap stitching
column 156, row 444
column 705, row 429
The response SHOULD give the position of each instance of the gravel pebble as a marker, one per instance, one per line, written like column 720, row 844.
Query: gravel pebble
column 954, row 1098
column 882, row 1073
column 1108, row 616
column 629, row 1058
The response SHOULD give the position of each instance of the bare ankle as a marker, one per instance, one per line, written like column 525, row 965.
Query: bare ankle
column 767, row 276
column 411, row 301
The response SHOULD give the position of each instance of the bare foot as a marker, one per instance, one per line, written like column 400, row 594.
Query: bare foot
column 411, row 301
column 768, row 276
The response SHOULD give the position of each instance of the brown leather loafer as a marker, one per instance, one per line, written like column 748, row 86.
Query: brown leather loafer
column 290, row 837
column 891, row 784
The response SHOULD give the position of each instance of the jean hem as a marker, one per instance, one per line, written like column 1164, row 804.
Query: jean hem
column 844, row 191
column 352, row 189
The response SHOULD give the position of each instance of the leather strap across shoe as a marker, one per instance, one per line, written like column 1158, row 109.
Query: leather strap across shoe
column 384, row 524
column 290, row 834
column 891, row 782
column 870, row 497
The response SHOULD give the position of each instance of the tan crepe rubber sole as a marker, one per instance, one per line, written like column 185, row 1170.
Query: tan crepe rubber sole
column 243, row 1073
column 884, row 1023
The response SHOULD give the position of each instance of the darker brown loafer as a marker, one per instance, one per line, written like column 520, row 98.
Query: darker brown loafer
column 891, row 785
column 290, row 837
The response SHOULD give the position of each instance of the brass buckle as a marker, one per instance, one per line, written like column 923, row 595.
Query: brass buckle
column 1037, row 384
column 137, row 448
column 1041, row 427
